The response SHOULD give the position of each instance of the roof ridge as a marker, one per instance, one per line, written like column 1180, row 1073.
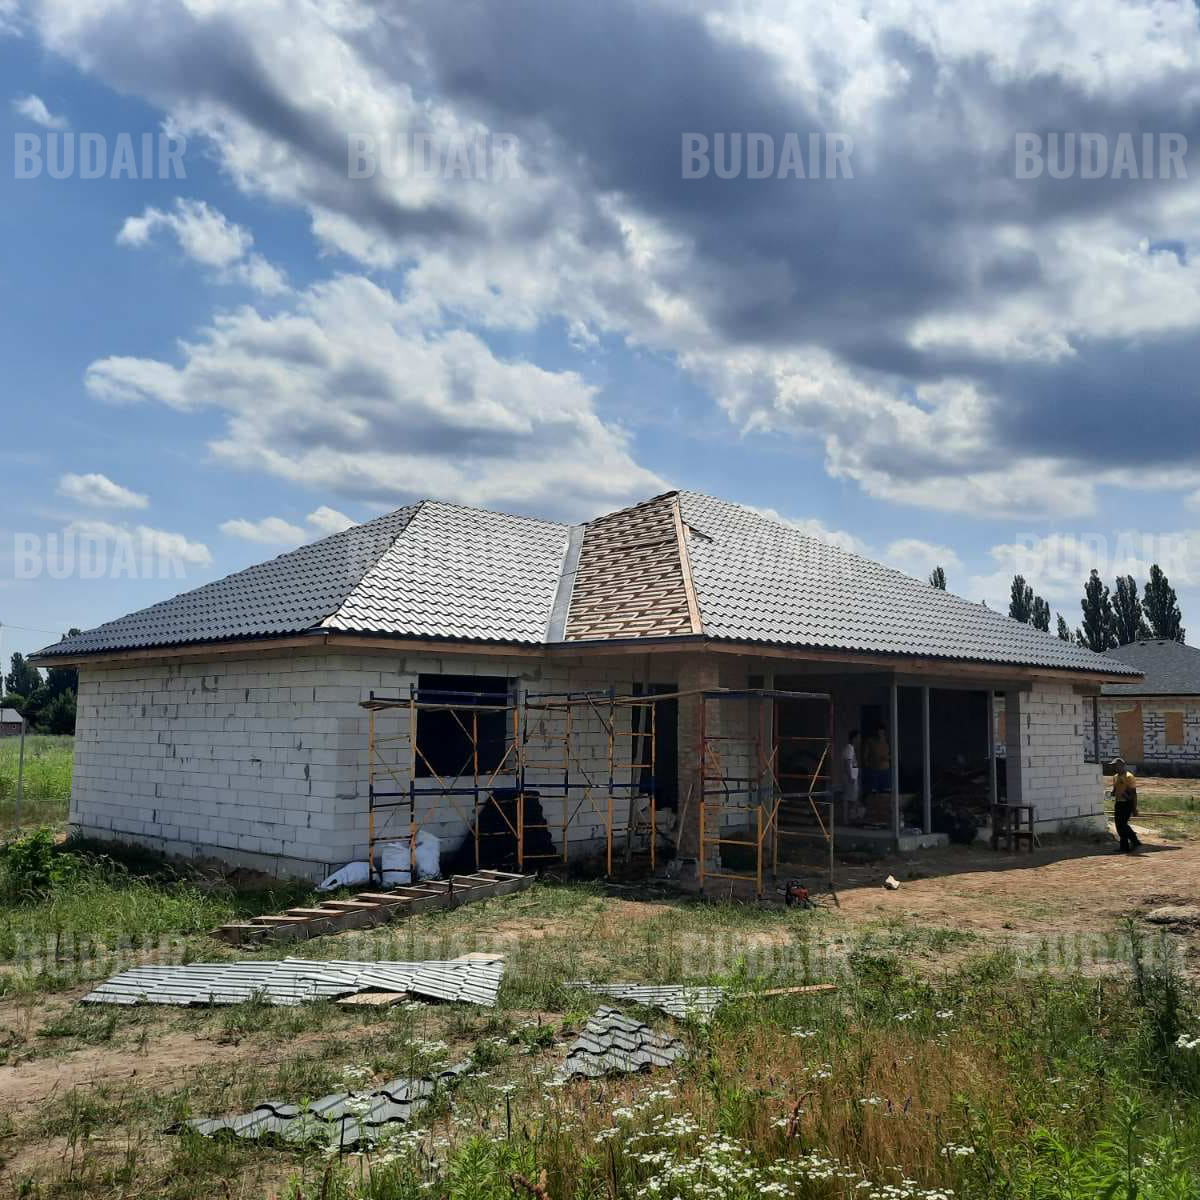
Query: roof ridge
column 616, row 512
column 495, row 512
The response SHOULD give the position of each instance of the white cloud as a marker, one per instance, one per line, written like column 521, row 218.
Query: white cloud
column 270, row 531
column 209, row 238
column 1000, row 272
column 917, row 557
column 98, row 491
column 146, row 541
column 33, row 108
column 347, row 391
column 326, row 520
column 275, row 531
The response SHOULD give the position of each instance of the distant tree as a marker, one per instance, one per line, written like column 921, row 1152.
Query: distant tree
column 1097, row 631
column 937, row 578
column 62, row 679
column 1039, row 614
column 1160, row 604
column 23, row 679
column 1064, row 630
column 1129, row 624
column 58, row 716
column 1020, row 605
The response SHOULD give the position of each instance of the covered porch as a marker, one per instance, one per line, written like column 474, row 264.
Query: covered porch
column 956, row 744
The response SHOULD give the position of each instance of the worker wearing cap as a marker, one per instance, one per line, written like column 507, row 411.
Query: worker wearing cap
column 1124, row 805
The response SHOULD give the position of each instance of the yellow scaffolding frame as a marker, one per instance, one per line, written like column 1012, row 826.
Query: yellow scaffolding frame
column 480, row 785
column 552, row 726
column 397, row 767
column 759, row 794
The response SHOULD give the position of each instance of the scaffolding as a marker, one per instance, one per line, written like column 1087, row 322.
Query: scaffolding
column 402, row 780
column 571, row 758
column 588, row 759
column 744, row 789
column 562, row 749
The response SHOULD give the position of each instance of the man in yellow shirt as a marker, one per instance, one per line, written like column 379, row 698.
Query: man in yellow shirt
column 1125, row 805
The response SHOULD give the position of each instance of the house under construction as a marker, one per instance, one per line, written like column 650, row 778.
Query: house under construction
column 686, row 664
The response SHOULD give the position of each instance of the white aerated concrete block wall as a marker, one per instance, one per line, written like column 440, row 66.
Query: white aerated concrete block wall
column 1156, row 751
column 261, row 760
column 1046, row 738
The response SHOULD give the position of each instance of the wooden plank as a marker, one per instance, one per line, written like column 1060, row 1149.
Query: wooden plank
column 808, row 989
column 372, row 999
column 368, row 909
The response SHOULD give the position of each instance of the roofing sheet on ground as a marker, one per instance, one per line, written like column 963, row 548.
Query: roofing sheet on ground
column 345, row 1118
column 292, row 981
column 612, row 1043
column 677, row 1000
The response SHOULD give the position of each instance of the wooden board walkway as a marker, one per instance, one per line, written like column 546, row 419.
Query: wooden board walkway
column 367, row 909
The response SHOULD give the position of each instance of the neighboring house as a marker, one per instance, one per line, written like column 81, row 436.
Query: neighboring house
column 10, row 722
column 1154, row 724
column 229, row 720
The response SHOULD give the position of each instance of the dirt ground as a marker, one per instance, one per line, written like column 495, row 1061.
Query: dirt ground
column 1068, row 887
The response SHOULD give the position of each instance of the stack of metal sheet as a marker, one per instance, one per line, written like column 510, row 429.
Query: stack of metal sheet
column 292, row 981
column 611, row 1043
column 344, row 1119
column 677, row 1000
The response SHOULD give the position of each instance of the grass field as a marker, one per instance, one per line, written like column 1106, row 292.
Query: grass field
column 46, row 789
column 941, row 1064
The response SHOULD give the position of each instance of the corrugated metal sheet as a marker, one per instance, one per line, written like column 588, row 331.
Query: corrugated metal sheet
column 463, row 573
column 676, row 1000
column 293, row 981
column 288, row 594
column 613, row 1043
column 439, row 570
column 759, row 580
column 344, row 1119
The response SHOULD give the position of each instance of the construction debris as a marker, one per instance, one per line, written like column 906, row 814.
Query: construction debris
column 675, row 1000
column 294, row 981
column 345, row 1119
column 611, row 1043
column 368, row 909
column 686, row 1000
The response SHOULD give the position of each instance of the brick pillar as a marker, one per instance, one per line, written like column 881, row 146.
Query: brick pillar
column 696, row 672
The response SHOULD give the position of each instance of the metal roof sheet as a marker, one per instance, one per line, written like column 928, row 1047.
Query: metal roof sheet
column 288, row 594
column 292, row 981
column 461, row 573
column 677, row 1000
column 760, row 580
column 613, row 1043
column 346, row 1119
column 1170, row 668
column 439, row 571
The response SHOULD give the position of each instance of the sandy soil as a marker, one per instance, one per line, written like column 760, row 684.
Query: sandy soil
column 1067, row 888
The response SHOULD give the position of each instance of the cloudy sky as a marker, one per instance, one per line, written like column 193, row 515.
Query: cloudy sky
column 930, row 358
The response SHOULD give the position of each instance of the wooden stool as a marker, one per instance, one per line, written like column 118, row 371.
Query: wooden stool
column 1015, row 824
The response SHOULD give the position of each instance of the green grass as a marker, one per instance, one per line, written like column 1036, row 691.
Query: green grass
column 979, row 1076
column 46, row 787
column 112, row 907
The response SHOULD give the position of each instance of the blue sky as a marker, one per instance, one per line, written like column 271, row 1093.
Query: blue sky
column 931, row 361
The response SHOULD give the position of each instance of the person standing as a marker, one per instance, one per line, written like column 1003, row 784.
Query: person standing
column 877, row 762
column 850, row 776
column 1124, row 806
